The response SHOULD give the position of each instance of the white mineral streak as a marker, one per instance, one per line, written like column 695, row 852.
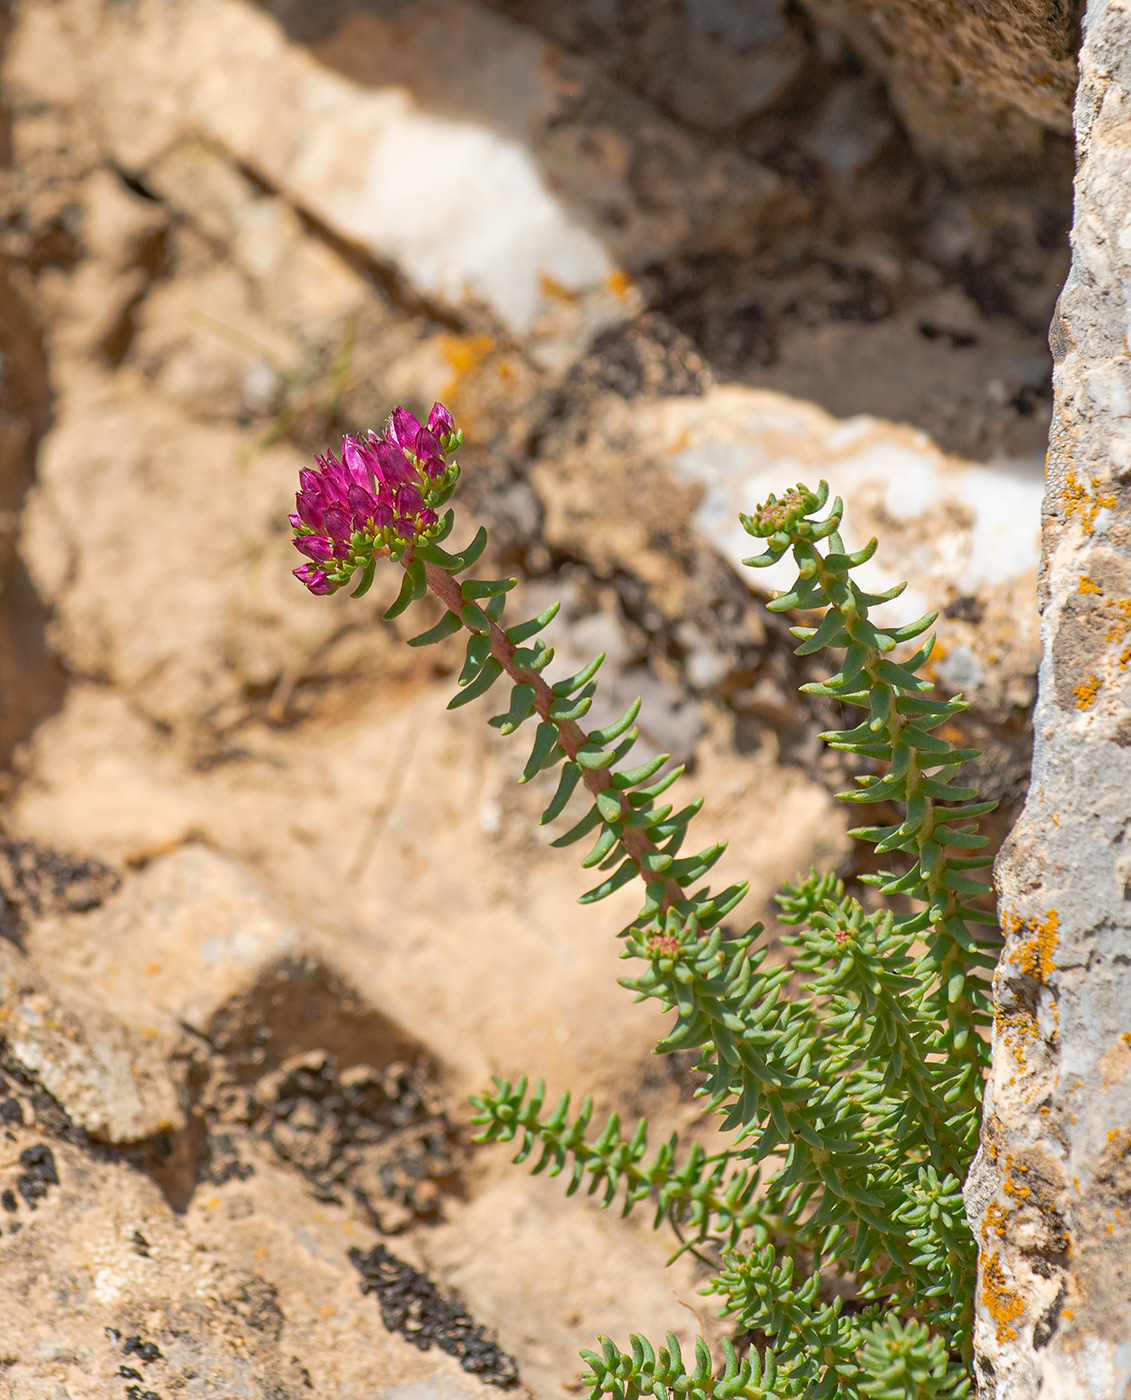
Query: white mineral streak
column 1050, row 1193
column 460, row 208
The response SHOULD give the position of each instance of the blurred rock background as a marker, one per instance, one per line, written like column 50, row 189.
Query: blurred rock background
column 269, row 913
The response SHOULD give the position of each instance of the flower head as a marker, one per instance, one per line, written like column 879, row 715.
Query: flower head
column 379, row 498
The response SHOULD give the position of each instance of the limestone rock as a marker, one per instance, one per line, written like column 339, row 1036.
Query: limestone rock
column 977, row 84
column 1049, row 1196
column 250, row 1292
column 108, row 1075
column 183, row 938
column 527, row 215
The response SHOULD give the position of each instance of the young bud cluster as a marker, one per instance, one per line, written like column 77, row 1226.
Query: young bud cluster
column 378, row 499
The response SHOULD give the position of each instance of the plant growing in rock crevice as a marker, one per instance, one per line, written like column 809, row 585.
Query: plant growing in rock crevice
column 864, row 1085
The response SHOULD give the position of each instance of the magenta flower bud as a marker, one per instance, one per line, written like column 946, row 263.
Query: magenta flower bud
column 440, row 421
column 337, row 523
column 309, row 507
column 426, row 518
column 316, row 547
column 392, row 466
column 407, row 431
column 364, row 504
column 335, row 479
column 314, row 579
column 358, row 461
column 404, row 429
column 408, row 500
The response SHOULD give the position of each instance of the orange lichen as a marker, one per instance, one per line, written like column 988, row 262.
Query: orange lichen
column 1086, row 692
column 1089, row 585
column 465, row 355
column 1001, row 1302
column 1114, row 1135
column 619, row 283
column 1079, row 501
column 1034, row 955
column 1014, row 1189
column 996, row 1219
column 1017, row 1030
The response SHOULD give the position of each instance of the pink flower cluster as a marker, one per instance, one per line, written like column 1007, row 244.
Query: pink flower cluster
column 382, row 493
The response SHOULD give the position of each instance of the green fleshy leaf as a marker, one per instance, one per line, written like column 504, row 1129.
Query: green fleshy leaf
column 478, row 650
column 608, row 838
column 620, row 877
column 647, row 794
column 486, row 678
column 473, row 616
column 523, row 631
column 546, row 751
column 629, row 777
column 413, row 586
column 617, row 728
column 447, row 625
column 521, row 708
column 583, row 677
column 592, row 756
column 366, row 578
column 472, row 589
column 571, row 775
column 582, row 828
column 564, row 710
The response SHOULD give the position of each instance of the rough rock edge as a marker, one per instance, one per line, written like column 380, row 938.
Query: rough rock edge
column 1050, row 1194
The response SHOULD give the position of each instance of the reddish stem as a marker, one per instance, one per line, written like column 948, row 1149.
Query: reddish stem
column 636, row 841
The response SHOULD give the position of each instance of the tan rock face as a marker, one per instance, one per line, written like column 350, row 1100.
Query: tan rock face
column 249, row 1292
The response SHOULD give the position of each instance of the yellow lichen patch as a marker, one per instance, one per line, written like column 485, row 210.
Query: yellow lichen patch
column 1086, row 692
column 995, row 1221
column 1034, row 955
column 1079, row 501
column 1120, row 625
column 553, row 290
column 465, row 354
column 619, row 283
column 1114, row 1136
column 1017, row 1030
column 1014, row 1189
column 1089, row 585
column 1001, row 1302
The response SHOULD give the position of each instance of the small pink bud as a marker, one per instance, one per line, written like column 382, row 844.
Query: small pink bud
column 314, row 579
column 316, row 547
column 363, row 504
column 337, row 523
column 440, row 421
column 392, row 466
